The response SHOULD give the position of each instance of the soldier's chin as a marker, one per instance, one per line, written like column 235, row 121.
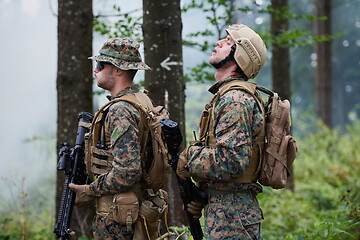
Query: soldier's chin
column 101, row 86
column 215, row 64
column 211, row 62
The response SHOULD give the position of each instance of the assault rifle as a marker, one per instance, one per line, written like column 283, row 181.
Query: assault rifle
column 188, row 191
column 71, row 161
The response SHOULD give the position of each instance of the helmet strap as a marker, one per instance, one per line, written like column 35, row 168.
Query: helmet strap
column 228, row 58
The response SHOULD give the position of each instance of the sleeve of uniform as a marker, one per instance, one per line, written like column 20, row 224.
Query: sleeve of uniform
column 232, row 153
column 125, row 145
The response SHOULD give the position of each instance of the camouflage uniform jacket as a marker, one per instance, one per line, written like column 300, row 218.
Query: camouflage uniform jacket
column 122, row 137
column 238, row 122
column 232, row 211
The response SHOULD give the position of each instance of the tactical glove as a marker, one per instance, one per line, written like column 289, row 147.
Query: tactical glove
column 182, row 170
column 83, row 194
column 195, row 209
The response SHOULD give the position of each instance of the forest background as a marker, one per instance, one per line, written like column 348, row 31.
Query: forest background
column 325, row 203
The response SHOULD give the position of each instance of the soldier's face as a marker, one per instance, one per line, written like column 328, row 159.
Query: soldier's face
column 222, row 50
column 104, row 74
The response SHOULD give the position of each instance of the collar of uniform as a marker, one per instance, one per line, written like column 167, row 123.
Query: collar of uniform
column 132, row 89
column 214, row 88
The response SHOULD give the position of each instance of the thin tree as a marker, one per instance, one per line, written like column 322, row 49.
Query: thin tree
column 162, row 29
column 323, row 78
column 280, row 62
column 74, row 85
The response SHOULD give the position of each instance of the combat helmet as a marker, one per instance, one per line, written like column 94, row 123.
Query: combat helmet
column 250, row 53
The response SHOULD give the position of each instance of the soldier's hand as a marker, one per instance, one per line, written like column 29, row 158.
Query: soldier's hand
column 182, row 171
column 83, row 194
column 195, row 208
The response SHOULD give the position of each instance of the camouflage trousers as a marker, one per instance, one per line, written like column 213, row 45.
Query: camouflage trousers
column 106, row 229
column 233, row 216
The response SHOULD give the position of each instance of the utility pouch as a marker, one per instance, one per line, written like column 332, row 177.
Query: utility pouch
column 153, row 212
column 125, row 209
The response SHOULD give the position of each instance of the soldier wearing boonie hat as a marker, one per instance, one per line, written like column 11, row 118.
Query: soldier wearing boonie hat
column 114, row 162
column 122, row 53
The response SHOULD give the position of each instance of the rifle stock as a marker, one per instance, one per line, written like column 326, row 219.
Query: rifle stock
column 71, row 161
column 188, row 190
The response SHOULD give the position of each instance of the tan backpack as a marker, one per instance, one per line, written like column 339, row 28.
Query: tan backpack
column 154, row 150
column 280, row 146
column 275, row 150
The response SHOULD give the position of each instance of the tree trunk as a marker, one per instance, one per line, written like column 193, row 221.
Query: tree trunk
column 323, row 78
column 162, row 28
column 280, row 64
column 74, row 86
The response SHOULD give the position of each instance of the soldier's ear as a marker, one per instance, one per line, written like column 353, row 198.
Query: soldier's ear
column 119, row 72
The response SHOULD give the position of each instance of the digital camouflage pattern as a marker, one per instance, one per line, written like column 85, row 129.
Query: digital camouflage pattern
column 122, row 137
column 122, row 134
column 103, row 228
column 233, row 216
column 239, row 122
column 122, row 53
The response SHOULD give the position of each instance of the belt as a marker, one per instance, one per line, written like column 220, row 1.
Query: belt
column 215, row 192
column 252, row 188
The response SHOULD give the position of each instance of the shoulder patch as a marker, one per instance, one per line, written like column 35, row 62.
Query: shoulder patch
column 115, row 135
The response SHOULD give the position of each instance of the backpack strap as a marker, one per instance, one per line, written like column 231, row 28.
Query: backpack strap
column 143, row 103
column 248, row 87
column 153, row 148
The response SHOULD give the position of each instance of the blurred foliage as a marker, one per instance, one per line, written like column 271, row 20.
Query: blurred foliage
column 198, row 97
column 220, row 13
column 119, row 24
column 324, row 205
column 29, row 212
column 326, row 202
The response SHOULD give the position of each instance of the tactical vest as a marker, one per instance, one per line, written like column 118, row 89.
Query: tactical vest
column 98, row 154
column 208, row 123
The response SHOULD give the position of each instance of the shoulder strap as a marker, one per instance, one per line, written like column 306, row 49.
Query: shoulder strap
column 265, row 90
column 248, row 87
column 241, row 85
column 143, row 103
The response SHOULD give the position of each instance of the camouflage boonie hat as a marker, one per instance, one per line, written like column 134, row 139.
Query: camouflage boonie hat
column 122, row 53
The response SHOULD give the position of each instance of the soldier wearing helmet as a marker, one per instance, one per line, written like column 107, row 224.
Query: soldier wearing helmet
column 115, row 161
column 231, row 128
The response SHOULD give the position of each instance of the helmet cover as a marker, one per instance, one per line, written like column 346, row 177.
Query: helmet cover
column 250, row 53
